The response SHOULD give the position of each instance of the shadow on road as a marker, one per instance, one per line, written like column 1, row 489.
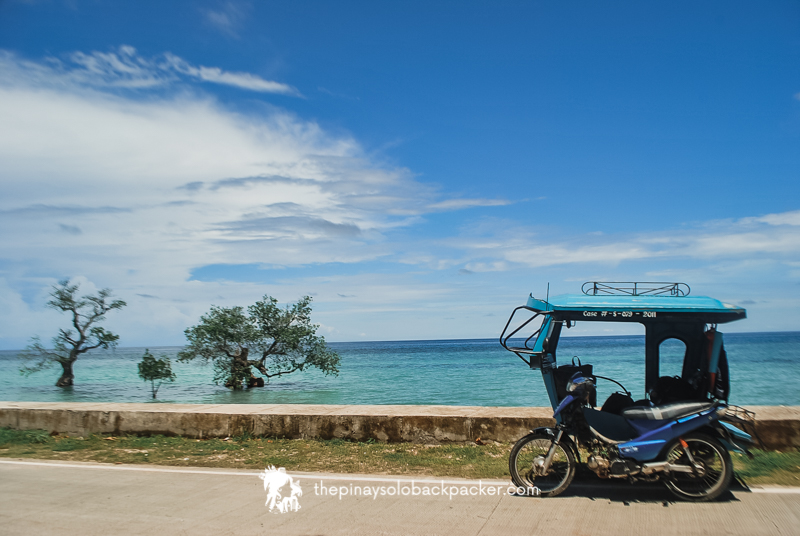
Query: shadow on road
column 594, row 488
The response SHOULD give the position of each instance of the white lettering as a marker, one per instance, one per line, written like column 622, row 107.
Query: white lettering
column 416, row 490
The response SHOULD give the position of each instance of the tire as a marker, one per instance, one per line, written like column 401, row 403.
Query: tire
column 531, row 447
column 717, row 466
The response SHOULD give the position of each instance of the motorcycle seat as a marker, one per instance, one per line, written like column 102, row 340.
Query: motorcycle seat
column 664, row 412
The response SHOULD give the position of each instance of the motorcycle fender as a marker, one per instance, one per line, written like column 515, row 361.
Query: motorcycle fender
column 736, row 435
column 655, row 441
column 733, row 438
column 733, row 447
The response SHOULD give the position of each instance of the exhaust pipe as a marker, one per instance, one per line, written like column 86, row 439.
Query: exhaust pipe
column 665, row 467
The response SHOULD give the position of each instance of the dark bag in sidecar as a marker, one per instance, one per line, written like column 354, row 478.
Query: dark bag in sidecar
column 565, row 372
column 616, row 403
column 669, row 389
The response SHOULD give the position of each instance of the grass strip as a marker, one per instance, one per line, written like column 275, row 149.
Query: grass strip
column 336, row 455
column 474, row 461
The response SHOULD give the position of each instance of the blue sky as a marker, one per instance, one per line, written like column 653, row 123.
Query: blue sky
column 417, row 167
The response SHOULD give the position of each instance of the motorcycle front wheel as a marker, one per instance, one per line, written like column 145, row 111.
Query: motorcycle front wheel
column 714, row 476
column 525, row 465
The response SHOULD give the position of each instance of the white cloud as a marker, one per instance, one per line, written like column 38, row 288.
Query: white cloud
column 496, row 266
column 227, row 18
column 125, row 68
column 303, row 195
column 458, row 204
column 136, row 193
column 218, row 76
column 785, row 218
column 773, row 236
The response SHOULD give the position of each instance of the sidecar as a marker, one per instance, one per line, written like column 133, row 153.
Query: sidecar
column 666, row 310
column 669, row 403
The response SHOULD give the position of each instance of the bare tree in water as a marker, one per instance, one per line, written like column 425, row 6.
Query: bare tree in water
column 85, row 312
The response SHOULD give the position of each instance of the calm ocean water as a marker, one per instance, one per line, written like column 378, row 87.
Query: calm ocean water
column 455, row 372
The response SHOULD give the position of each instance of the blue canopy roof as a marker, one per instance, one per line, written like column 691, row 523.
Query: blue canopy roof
column 617, row 308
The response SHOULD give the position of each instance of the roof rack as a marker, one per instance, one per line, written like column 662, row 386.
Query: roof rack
column 633, row 288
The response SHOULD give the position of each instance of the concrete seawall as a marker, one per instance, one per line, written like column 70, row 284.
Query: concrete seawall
column 778, row 426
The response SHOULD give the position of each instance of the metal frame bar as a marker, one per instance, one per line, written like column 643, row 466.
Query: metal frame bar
column 505, row 338
column 635, row 288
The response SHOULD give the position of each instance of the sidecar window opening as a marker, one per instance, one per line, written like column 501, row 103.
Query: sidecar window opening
column 620, row 356
column 681, row 356
column 672, row 354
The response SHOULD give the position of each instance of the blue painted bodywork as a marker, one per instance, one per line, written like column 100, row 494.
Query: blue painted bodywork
column 549, row 378
column 546, row 331
column 564, row 403
column 647, row 446
column 739, row 440
column 548, row 362
column 736, row 433
column 619, row 304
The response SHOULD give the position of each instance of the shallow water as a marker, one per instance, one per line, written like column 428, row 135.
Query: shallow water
column 455, row 372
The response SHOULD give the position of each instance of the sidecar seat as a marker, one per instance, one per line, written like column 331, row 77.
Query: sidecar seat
column 666, row 412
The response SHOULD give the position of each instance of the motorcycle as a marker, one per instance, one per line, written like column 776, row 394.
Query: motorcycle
column 681, row 435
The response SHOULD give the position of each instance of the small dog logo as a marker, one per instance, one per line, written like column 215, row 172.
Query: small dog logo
column 276, row 482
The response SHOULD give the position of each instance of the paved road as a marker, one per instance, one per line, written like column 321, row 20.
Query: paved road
column 96, row 499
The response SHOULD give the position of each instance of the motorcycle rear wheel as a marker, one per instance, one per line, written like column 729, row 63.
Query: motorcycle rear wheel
column 521, row 465
column 717, row 469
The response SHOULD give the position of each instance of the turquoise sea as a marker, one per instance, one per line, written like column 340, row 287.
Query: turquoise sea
column 450, row 372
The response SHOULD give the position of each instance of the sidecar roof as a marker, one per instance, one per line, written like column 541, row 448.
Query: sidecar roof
column 664, row 309
column 641, row 309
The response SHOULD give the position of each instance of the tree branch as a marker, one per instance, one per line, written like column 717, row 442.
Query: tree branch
column 299, row 367
column 92, row 347
column 67, row 337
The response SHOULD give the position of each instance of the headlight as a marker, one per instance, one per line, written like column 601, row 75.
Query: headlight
column 583, row 382
column 574, row 383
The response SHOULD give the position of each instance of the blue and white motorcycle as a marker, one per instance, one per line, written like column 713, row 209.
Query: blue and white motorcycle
column 683, row 444
column 680, row 435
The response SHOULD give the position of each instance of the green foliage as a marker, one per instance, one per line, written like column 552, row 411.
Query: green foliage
column 68, row 345
column 69, row 444
column 243, row 437
column 155, row 370
column 265, row 338
column 23, row 437
column 768, row 462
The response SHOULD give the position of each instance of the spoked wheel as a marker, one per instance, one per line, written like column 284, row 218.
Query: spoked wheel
column 527, row 460
column 714, row 473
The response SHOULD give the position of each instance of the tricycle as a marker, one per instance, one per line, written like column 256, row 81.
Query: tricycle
column 680, row 433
